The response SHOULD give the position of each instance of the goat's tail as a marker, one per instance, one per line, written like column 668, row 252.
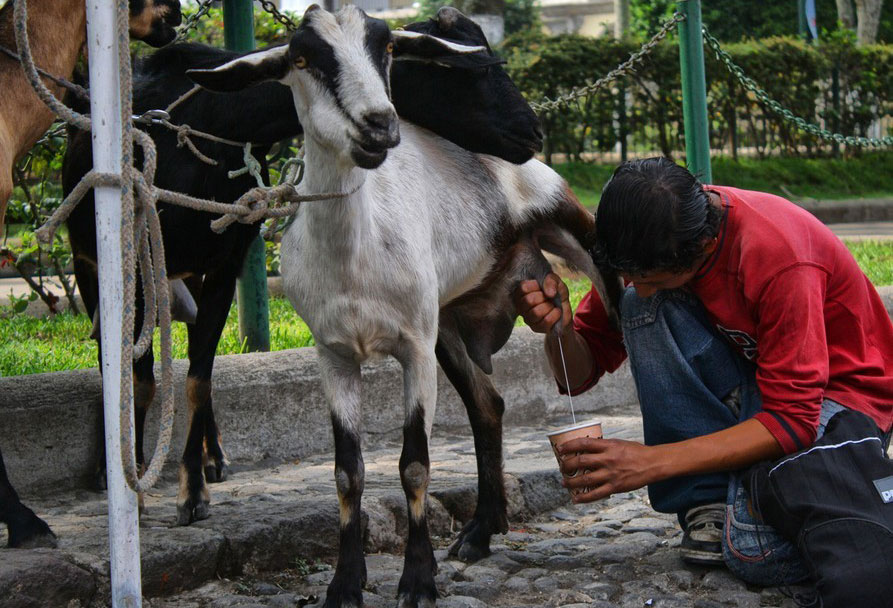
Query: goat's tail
column 571, row 236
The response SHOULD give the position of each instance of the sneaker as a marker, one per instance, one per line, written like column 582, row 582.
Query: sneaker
column 702, row 539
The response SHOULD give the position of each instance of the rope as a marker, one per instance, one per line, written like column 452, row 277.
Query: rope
column 78, row 90
column 785, row 114
column 141, row 238
column 20, row 14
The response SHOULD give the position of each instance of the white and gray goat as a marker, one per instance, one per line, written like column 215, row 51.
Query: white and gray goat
column 418, row 261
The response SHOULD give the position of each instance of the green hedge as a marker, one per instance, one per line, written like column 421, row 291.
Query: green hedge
column 799, row 75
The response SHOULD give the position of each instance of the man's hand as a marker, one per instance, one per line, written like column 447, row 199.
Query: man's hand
column 536, row 304
column 614, row 466
column 620, row 466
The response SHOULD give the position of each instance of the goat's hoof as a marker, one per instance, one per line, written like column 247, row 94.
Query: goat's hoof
column 28, row 531
column 343, row 599
column 192, row 511
column 473, row 543
column 423, row 602
column 421, row 594
column 216, row 473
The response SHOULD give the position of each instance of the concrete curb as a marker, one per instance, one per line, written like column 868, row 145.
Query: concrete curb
column 269, row 407
column 851, row 210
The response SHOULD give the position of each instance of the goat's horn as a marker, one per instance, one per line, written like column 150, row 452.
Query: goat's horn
column 453, row 46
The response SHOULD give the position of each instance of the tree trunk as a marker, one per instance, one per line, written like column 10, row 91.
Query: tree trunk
column 845, row 14
column 868, row 16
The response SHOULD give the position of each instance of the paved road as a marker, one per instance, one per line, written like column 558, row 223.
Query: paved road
column 881, row 231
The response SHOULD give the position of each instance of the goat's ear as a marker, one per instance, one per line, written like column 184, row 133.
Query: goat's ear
column 415, row 46
column 248, row 70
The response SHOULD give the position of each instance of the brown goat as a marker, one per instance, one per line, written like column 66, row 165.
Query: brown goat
column 57, row 30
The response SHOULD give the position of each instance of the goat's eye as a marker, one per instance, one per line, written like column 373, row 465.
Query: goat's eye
column 390, row 47
column 300, row 63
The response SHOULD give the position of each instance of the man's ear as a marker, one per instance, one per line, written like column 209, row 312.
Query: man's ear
column 415, row 46
column 245, row 71
column 710, row 246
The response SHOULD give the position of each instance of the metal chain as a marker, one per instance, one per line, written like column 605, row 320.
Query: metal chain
column 280, row 17
column 784, row 113
column 627, row 67
column 203, row 7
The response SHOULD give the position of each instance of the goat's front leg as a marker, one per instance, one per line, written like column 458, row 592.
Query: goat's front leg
column 25, row 529
column 340, row 379
column 485, row 408
column 417, row 588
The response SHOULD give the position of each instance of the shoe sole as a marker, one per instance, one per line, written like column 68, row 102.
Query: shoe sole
column 702, row 558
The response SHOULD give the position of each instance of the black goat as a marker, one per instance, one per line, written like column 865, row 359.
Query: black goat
column 208, row 263
column 473, row 103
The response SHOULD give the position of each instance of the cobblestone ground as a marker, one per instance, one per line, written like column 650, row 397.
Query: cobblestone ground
column 617, row 553
column 277, row 528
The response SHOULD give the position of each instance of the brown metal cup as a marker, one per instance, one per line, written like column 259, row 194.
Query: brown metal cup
column 585, row 429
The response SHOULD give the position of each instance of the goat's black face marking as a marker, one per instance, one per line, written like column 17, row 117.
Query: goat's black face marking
column 379, row 47
column 318, row 56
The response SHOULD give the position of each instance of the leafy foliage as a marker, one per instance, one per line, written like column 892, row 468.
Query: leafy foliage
column 37, row 194
column 798, row 75
column 734, row 21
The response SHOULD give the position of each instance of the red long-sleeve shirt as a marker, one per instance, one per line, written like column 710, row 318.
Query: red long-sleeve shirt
column 788, row 294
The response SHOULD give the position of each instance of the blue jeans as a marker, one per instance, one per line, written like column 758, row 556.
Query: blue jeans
column 690, row 383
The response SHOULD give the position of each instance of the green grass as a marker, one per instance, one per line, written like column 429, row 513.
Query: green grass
column 29, row 345
column 875, row 258
column 34, row 345
column 868, row 176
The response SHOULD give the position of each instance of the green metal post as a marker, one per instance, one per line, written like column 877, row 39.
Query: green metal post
column 802, row 30
column 254, row 302
column 694, row 91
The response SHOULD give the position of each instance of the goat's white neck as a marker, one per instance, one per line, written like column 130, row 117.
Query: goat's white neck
column 344, row 219
column 327, row 172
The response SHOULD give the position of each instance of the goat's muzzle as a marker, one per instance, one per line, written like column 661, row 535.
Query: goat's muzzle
column 378, row 132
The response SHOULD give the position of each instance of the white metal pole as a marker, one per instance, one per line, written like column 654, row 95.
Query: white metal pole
column 105, row 108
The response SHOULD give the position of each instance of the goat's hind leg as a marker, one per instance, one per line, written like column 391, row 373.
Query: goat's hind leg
column 485, row 408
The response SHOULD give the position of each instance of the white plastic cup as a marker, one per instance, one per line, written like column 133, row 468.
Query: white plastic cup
column 592, row 429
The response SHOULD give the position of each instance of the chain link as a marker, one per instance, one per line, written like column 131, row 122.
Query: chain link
column 203, row 7
column 280, row 17
column 625, row 68
column 784, row 113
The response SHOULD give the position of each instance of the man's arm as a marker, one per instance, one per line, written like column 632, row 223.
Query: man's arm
column 620, row 466
column 536, row 305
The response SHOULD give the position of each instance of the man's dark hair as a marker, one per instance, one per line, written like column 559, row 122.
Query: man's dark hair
column 653, row 216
